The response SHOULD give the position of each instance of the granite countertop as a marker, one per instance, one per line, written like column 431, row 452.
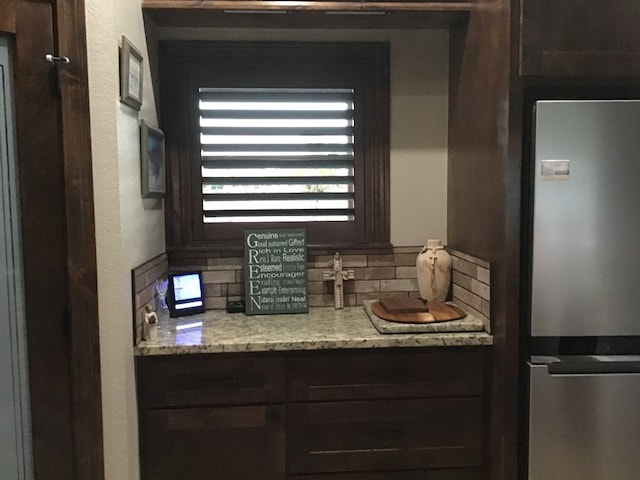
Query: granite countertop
column 322, row 328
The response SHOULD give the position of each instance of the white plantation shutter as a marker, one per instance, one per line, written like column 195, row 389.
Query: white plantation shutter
column 280, row 155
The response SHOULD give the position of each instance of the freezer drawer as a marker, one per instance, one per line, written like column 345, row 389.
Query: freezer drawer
column 584, row 425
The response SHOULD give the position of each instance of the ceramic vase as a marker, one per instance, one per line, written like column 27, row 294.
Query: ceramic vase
column 433, row 266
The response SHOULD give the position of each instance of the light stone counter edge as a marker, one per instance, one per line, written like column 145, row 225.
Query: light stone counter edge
column 323, row 328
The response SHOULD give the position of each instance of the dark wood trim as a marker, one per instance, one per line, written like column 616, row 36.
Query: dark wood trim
column 316, row 14
column 234, row 249
column 362, row 6
column 364, row 66
column 484, row 202
column 8, row 16
column 41, row 173
column 58, row 232
column 86, row 396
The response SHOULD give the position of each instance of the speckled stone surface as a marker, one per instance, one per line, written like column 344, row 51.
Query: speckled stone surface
column 322, row 328
column 466, row 324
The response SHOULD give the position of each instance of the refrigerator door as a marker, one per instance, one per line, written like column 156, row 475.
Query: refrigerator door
column 586, row 225
column 584, row 425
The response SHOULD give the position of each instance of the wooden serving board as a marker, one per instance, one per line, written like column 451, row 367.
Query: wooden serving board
column 404, row 305
column 438, row 312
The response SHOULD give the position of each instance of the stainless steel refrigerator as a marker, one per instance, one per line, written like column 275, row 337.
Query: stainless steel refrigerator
column 584, row 292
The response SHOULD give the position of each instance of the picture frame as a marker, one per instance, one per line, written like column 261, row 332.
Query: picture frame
column 152, row 161
column 130, row 75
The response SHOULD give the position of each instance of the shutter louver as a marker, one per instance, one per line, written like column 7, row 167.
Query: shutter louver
column 282, row 155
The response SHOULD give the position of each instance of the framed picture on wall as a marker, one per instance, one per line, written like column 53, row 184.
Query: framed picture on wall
column 152, row 162
column 130, row 75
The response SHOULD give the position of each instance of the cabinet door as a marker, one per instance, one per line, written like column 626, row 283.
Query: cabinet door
column 580, row 37
column 381, row 435
column 231, row 443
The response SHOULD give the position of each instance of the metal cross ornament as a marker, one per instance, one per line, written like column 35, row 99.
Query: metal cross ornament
column 338, row 275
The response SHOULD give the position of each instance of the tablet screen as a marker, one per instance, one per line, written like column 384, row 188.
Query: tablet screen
column 186, row 293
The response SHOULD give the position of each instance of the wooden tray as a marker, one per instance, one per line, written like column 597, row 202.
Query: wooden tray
column 404, row 305
column 438, row 312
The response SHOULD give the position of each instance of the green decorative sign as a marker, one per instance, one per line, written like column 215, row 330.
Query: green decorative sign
column 275, row 271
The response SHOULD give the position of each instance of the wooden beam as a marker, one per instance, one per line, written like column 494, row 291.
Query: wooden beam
column 313, row 14
column 86, row 396
column 43, row 242
column 416, row 6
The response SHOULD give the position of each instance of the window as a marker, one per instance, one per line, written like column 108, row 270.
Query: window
column 269, row 154
column 279, row 135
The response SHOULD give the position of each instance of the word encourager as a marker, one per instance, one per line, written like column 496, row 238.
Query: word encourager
column 275, row 271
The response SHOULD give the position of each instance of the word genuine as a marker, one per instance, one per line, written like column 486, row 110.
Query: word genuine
column 276, row 271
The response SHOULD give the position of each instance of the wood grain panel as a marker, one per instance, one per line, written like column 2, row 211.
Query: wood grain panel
column 170, row 381
column 580, row 37
column 273, row 14
column 41, row 170
column 383, row 435
column 431, row 474
column 86, row 397
column 233, row 443
column 368, row 375
column 275, row 5
column 483, row 217
column 8, row 16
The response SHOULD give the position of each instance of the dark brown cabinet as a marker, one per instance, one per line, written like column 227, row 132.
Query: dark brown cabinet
column 386, row 414
column 385, row 435
column 193, row 380
column 205, row 417
column 580, row 37
column 412, row 410
column 233, row 443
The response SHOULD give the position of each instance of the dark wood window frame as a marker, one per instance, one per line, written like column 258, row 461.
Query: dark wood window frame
column 187, row 66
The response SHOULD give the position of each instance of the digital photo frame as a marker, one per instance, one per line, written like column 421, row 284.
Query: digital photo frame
column 186, row 295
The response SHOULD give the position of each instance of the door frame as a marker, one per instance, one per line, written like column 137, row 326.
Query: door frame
column 62, row 344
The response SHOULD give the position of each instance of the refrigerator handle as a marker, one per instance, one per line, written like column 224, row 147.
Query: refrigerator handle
column 596, row 367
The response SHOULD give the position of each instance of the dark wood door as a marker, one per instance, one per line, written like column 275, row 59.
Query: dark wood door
column 58, row 234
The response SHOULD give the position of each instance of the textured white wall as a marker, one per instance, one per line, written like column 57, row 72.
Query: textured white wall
column 419, row 118
column 129, row 229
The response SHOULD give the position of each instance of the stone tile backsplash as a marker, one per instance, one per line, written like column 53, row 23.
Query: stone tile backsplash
column 143, row 279
column 376, row 276
column 471, row 285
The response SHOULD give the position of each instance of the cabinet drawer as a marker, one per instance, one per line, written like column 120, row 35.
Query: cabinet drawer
column 385, row 435
column 376, row 374
column 443, row 474
column 231, row 443
column 184, row 381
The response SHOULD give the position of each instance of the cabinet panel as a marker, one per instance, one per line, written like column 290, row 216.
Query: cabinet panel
column 195, row 380
column 444, row 474
column 366, row 375
column 231, row 443
column 384, row 435
column 580, row 37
